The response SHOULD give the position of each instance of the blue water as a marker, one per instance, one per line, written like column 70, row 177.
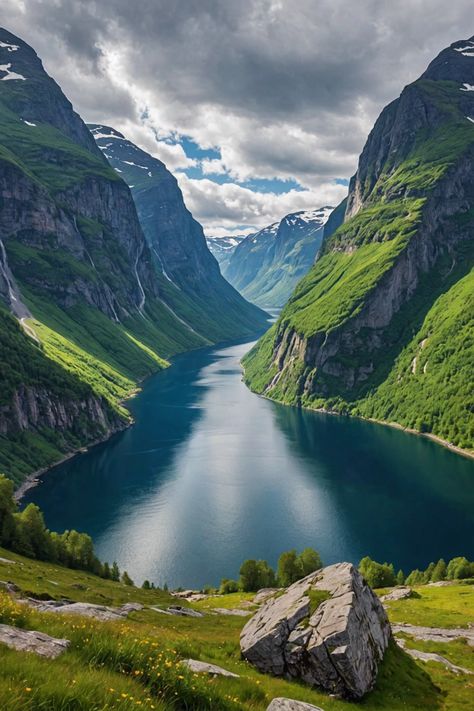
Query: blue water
column 212, row 474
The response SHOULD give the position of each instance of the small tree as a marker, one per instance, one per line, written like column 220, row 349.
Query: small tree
column 416, row 577
column 439, row 571
column 33, row 539
column 266, row 575
column 146, row 585
column 400, row 577
column 378, row 575
column 228, row 586
column 249, row 576
column 459, row 568
column 115, row 572
column 289, row 568
column 126, row 579
column 428, row 574
column 309, row 561
column 7, row 509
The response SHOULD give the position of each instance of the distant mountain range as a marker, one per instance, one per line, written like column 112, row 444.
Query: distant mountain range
column 266, row 266
column 382, row 326
column 103, row 295
column 222, row 247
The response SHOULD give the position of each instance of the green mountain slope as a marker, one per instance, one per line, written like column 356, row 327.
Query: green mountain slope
column 382, row 326
column 77, row 273
column 192, row 285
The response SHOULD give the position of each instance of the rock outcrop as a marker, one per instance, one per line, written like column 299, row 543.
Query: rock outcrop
column 328, row 630
column 198, row 667
column 32, row 641
column 399, row 593
column 436, row 634
column 282, row 704
column 84, row 609
column 432, row 657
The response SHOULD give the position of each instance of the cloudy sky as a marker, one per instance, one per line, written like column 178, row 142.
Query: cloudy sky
column 260, row 107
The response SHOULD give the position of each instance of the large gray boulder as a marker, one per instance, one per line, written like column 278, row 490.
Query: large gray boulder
column 329, row 630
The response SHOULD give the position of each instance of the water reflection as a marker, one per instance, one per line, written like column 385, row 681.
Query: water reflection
column 211, row 474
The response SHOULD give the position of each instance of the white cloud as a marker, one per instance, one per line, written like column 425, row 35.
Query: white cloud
column 286, row 89
column 220, row 208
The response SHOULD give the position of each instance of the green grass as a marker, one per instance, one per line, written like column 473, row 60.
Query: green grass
column 43, row 152
column 429, row 385
column 316, row 597
column 140, row 657
column 446, row 606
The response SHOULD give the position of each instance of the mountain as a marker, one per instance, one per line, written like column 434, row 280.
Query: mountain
column 223, row 247
column 382, row 325
column 77, row 274
column 192, row 284
column 266, row 266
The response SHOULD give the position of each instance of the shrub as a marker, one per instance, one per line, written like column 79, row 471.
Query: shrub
column 378, row 575
column 228, row 586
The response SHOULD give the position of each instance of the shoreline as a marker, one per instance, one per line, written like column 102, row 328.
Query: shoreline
column 468, row 454
column 33, row 479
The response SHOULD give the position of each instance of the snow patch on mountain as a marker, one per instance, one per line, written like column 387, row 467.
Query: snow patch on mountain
column 9, row 73
column 129, row 162
column 9, row 47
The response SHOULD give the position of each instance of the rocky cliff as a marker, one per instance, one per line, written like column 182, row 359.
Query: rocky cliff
column 192, row 283
column 97, row 314
column 382, row 324
column 266, row 266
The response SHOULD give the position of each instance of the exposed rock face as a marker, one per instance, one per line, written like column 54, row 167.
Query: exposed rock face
column 436, row 634
column 84, row 609
column 198, row 667
column 31, row 408
column 282, row 704
column 183, row 611
column 263, row 595
column 266, row 266
column 31, row 641
column 176, row 239
column 431, row 657
column 337, row 647
column 231, row 612
column 399, row 593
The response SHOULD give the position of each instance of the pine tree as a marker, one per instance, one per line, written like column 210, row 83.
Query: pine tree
column 126, row 579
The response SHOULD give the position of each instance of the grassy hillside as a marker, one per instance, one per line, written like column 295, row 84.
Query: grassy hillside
column 125, row 665
column 382, row 325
